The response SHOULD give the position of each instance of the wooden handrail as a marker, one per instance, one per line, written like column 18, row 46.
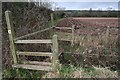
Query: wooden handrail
column 27, row 35
column 63, row 28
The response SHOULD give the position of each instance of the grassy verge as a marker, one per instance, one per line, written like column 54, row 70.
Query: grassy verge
column 69, row 71
column 22, row 73
column 77, row 72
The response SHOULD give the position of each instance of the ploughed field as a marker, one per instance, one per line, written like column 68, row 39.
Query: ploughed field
column 93, row 26
column 95, row 42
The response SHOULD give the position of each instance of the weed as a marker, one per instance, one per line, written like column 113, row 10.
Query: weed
column 21, row 73
column 66, row 70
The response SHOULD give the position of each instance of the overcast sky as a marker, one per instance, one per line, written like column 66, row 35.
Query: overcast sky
column 87, row 5
column 83, row 0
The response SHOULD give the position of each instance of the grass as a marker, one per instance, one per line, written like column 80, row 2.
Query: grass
column 100, row 73
column 68, row 71
column 65, row 71
column 22, row 73
column 78, row 72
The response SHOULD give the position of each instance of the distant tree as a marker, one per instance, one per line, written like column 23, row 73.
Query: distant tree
column 90, row 12
column 90, row 9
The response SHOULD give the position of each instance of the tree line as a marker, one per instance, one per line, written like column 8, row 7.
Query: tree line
column 86, row 13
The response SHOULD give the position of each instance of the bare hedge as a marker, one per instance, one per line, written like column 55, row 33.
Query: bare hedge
column 27, row 18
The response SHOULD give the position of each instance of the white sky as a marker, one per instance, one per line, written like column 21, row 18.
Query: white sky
column 87, row 5
column 84, row 0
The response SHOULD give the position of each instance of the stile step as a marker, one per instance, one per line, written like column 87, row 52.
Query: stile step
column 37, row 63
column 33, row 41
column 34, row 53
column 32, row 67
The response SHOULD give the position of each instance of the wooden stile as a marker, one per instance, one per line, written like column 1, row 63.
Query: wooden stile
column 33, row 65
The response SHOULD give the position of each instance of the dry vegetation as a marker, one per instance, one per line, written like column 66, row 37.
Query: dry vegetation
column 95, row 44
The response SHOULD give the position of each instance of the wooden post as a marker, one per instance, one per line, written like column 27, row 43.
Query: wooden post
column 51, row 15
column 73, row 34
column 55, row 53
column 73, row 37
column 11, row 35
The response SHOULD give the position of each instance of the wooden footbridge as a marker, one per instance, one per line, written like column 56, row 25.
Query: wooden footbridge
column 35, row 65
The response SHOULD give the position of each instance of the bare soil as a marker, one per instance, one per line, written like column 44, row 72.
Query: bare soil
column 91, row 25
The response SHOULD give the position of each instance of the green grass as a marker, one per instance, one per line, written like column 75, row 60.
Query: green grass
column 77, row 72
column 21, row 73
column 68, row 71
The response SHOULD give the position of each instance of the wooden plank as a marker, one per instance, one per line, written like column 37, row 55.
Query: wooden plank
column 64, row 36
column 33, row 67
column 64, row 28
column 9, row 21
column 63, row 33
column 63, row 39
column 31, row 34
column 34, row 53
column 37, row 63
column 55, row 53
column 33, row 41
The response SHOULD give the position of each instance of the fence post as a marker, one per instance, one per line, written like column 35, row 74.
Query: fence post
column 55, row 53
column 73, row 37
column 73, row 34
column 51, row 15
column 9, row 21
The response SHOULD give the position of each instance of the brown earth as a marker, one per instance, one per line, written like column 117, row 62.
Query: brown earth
column 93, row 26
